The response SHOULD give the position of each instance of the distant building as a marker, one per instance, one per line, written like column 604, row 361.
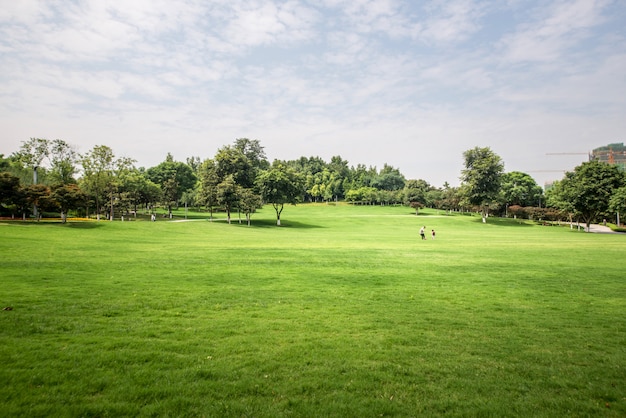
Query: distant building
column 611, row 154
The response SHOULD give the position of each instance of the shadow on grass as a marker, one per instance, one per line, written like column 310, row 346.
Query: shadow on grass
column 57, row 224
column 516, row 223
column 271, row 223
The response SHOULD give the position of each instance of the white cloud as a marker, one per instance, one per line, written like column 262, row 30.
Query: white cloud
column 412, row 84
column 557, row 28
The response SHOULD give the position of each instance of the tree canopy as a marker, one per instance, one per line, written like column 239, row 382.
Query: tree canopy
column 588, row 189
column 481, row 177
column 280, row 185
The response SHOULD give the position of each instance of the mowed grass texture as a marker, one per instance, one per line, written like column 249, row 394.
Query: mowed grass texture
column 342, row 311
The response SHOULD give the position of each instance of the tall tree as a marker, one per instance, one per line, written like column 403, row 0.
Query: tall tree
column 520, row 189
column 415, row 193
column 38, row 196
column 32, row 153
column 255, row 154
column 207, row 194
column 230, row 160
column 67, row 196
column 617, row 204
column 98, row 167
column 63, row 159
column 228, row 195
column 174, row 178
column 139, row 189
column 280, row 185
column 589, row 188
column 389, row 178
column 249, row 202
column 9, row 189
column 481, row 178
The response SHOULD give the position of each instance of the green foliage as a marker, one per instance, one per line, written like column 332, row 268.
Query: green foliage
column 174, row 178
column 416, row 191
column 280, row 185
column 342, row 312
column 588, row 189
column 68, row 197
column 9, row 188
column 520, row 189
column 481, row 177
column 617, row 202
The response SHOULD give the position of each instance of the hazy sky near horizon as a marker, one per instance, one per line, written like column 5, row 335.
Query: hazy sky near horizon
column 412, row 84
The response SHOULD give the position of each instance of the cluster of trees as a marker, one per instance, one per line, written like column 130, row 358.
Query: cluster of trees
column 51, row 176
column 593, row 191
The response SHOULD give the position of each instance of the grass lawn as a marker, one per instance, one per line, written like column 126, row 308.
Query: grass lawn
column 341, row 311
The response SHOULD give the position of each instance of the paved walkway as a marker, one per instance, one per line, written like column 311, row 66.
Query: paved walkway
column 601, row 229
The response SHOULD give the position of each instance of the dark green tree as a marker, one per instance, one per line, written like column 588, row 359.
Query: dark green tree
column 9, row 189
column 174, row 178
column 67, row 197
column 208, row 181
column 389, row 178
column 98, row 174
column 520, row 189
column 415, row 193
column 280, row 185
column 617, row 203
column 589, row 188
column 228, row 195
column 249, row 202
column 481, row 178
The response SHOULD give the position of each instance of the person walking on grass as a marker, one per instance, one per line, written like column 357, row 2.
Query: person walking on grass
column 433, row 233
column 422, row 233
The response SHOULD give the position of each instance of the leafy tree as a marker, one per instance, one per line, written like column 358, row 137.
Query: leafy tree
column 249, row 202
column 98, row 166
column 228, row 195
column 207, row 194
column 556, row 198
column 589, row 188
column 362, row 176
column 38, row 195
column 389, row 178
column 338, row 167
column 481, row 178
column 280, row 185
column 415, row 193
column 520, row 189
column 9, row 189
column 194, row 164
column 231, row 161
column 67, row 197
column 57, row 155
column 63, row 162
column 617, row 203
column 451, row 198
column 32, row 154
column 174, row 178
column 255, row 154
column 139, row 189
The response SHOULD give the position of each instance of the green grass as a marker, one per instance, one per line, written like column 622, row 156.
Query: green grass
column 342, row 311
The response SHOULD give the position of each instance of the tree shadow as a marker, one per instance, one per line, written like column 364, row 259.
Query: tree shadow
column 271, row 223
column 506, row 222
column 57, row 224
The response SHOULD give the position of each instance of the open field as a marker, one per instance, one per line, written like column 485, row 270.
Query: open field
column 342, row 311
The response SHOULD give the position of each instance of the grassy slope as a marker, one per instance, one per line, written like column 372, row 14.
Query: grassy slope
column 342, row 311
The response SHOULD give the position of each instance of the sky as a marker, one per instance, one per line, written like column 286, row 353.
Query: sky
column 412, row 84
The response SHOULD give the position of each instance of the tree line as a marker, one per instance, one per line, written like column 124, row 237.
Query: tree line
column 593, row 191
column 51, row 176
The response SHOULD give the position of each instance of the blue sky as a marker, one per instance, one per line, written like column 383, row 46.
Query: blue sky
column 409, row 83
